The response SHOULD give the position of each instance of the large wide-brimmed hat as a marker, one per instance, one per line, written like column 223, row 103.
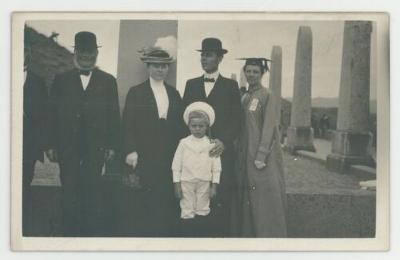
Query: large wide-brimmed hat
column 202, row 107
column 155, row 55
column 212, row 44
column 86, row 41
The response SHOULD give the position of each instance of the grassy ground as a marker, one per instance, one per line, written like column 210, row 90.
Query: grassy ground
column 307, row 176
column 302, row 176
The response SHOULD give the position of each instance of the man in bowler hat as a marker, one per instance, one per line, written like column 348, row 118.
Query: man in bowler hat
column 34, row 130
column 85, row 132
column 224, row 96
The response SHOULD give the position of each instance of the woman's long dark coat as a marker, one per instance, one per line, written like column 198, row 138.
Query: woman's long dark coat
column 155, row 140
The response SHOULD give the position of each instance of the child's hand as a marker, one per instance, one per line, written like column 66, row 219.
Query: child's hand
column 213, row 190
column 178, row 190
column 259, row 165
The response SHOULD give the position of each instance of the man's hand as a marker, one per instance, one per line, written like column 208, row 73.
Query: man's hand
column 218, row 149
column 132, row 159
column 52, row 155
column 178, row 190
column 259, row 165
column 109, row 155
column 213, row 190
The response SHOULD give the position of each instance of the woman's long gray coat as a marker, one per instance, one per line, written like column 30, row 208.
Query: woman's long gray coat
column 262, row 195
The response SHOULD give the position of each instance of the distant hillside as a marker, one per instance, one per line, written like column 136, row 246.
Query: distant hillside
column 318, row 112
column 323, row 102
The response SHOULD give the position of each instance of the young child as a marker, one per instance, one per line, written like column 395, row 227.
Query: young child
column 196, row 174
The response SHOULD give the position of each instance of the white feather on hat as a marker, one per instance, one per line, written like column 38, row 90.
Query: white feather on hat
column 168, row 44
column 199, row 106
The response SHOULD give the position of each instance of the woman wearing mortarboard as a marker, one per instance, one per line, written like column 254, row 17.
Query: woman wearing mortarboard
column 153, row 125
column 260, row 165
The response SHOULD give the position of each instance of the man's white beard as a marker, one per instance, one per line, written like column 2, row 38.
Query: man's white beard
column 76, row 64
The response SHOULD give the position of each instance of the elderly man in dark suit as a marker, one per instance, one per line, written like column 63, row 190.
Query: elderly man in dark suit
column 224, row 96
column 34, row 129
column 85, row 127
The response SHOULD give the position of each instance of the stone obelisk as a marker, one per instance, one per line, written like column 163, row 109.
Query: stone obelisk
column 300, row 134
column 352, row 138
column 275, row 79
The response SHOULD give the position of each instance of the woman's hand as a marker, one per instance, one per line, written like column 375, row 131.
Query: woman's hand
column 109, row 155
column 178, row 190
column 134, row 181
column 259, row 165
column 213, row 190
column 218, row 148
column 132, row 159
column 52, row 155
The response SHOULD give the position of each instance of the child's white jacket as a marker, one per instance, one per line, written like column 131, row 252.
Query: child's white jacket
column 192, row 161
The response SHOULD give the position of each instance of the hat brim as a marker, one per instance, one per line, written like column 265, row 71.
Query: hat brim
column 223, row 51
column 199, row 106
column 94, row 47
column 157, row 60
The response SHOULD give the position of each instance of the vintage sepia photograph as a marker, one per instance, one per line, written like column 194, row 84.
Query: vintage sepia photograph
column 200, row 131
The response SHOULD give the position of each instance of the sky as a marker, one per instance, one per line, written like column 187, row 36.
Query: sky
column 241, row 38
column 256, row 39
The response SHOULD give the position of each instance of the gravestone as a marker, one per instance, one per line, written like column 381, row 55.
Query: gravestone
column 352, row 139
column 275, row 79
column 300, row 134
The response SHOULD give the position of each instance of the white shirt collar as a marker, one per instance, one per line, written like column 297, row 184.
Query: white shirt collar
column 155, row 83
column 198, row 144
column 212, row 75
column 195, row 139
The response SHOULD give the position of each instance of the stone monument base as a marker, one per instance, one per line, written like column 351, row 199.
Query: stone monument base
column 349, row 148
column 300, row 138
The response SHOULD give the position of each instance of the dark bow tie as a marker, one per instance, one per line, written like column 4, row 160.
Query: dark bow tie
column 84, row 72
column 209, row 80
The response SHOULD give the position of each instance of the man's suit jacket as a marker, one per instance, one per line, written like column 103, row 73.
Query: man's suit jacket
column 34, row 118
column 225, row 100
column 141, row 127
column 95, row 111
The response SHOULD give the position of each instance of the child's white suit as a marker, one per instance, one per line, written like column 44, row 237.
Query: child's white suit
column 195, row 170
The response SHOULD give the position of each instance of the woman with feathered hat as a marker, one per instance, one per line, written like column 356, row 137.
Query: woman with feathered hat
column 153, row 125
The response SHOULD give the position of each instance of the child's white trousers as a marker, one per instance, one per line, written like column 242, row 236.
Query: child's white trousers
column 196, row 199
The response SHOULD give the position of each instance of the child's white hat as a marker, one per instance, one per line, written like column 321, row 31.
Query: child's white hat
column 199, row 106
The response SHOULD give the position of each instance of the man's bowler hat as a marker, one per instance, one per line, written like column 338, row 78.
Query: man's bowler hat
column 85, row 41
column 212, row 44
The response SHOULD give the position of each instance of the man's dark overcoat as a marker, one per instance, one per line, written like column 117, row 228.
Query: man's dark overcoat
column 83, row 123
column 34, row 118
column 34, row 137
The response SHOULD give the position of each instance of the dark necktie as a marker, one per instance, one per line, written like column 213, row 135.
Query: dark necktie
column 84, row 72
column 209, row 80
